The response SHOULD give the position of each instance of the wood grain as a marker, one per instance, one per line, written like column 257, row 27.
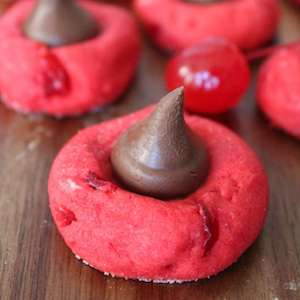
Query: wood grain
column 36, row 264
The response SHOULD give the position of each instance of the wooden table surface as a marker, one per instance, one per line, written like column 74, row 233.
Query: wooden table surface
column 36, row 264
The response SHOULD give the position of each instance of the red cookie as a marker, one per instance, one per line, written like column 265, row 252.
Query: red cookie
column 67, row 80
column 278, row 89
column 135, row 236
column 177, row 24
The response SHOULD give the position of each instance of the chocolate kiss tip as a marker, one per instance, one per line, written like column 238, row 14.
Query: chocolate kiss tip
column 173, row 101
column 60, row 22
column 176, row 95
column 179, row 91
column 161, row 156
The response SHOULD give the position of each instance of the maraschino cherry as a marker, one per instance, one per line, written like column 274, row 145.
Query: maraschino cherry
column 215, row 75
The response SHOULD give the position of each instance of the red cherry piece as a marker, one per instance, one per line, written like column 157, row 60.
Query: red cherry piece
column 98, row 184
column 64, row 216
column 215, row 75
column 54, row 79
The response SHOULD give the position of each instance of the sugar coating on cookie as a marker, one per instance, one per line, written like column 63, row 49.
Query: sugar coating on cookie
column 140, row 237
column 278, row 89
column 177, row 24
column 71, row 79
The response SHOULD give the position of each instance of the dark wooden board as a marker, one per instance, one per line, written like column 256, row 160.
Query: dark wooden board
column 36, row 264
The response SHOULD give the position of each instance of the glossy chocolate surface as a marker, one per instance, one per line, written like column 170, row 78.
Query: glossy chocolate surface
column 60, row 22
column 160, row 156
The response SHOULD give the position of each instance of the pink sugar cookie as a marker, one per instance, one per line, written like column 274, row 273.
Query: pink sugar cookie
column 67, row 80
column 177, row 24
column 135, row 236
column 278, row 89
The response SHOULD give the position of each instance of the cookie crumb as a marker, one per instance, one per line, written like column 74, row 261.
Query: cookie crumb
column 291, row 285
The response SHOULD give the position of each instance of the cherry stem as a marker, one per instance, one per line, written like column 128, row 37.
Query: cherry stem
column 263, row 52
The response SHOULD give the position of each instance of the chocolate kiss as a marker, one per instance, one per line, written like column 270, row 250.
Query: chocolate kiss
column 60, row 22
column 160, row 156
